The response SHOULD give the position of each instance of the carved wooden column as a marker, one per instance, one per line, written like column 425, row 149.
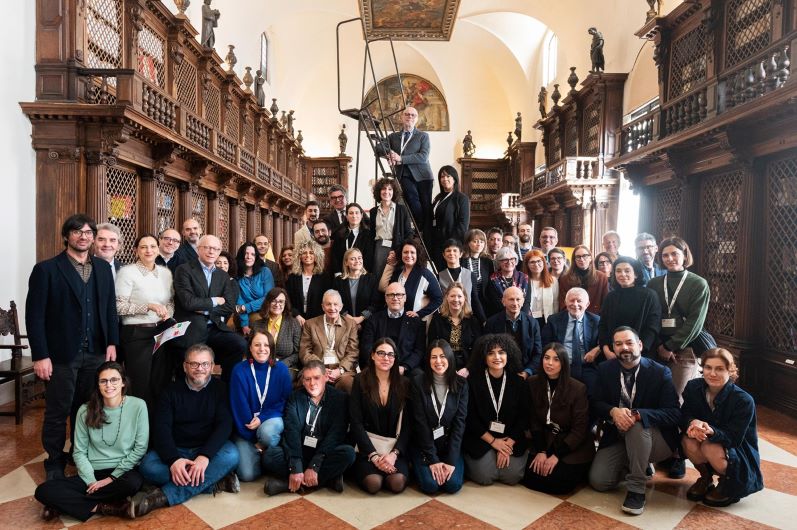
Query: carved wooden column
column 277, row 231
column 606, row 199
column 236, row 223
column 97, row 185
column 184, row 206
column 213, row 213
column 268, row 224
column 57, row 196
column 560, row 222
column 287, row 227
column 252, row 220
column 147, row 201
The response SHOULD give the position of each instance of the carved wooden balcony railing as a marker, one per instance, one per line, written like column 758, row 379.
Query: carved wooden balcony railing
column 572, row 170
column 639, row 132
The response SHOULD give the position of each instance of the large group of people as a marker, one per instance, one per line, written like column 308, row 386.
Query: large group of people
column 355, row 352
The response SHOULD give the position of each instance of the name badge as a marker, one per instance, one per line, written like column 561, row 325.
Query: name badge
column 310, row 441
column 439, row 432
column 387, row 243
column 330, row 358
column 434, row 222
column 497, row 426
column 668, row 322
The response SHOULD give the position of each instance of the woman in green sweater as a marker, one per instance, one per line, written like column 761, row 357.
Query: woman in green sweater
column 111, row 436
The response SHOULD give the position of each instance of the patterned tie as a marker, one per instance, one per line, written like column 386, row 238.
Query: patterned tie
column 577, row 346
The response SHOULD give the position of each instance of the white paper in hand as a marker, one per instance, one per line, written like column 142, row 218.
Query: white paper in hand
column 177, row 330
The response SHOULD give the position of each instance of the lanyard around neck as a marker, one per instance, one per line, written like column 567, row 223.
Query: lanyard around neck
column 261, row 396
column 496, row 405
column 671, row 304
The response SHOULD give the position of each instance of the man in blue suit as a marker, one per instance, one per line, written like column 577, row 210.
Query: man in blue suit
column 70, row 313
column 636, row 399
column 409, row 154
column 577, row 330
column 524, row 329
column 646, row 249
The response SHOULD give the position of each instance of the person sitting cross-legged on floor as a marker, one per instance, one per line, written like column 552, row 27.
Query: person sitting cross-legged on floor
column 191, row 451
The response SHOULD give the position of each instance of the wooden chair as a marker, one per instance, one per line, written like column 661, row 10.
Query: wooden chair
column 18, row 366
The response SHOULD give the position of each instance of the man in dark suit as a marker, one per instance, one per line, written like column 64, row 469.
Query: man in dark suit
column 577, row 330
column 70, row 313
column 188, row 248
column 524, row 329
column 646, row 250
column 636, row 398
column 313, row 451
column 168, row 243
column 205, row 296
column 409, row 333
column 263, row 244
column 338, row 197
column 409, row 156
column 107, row 243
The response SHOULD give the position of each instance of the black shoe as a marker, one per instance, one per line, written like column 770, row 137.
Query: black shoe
column 229, row 483
column 634, row 503
column 55, row 473
column 141, row 505
column 275, row 486
column 49, row 513
column 677, row 469
column 115, row 509
column 336, row 484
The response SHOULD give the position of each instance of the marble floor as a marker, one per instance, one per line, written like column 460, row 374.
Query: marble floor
column 474, row 507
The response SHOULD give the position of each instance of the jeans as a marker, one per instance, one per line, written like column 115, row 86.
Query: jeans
column 333, row 465
column 157, row 472
column 427, row 482
column 268, row 435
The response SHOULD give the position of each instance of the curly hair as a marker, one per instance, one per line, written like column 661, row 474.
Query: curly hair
column 313, row 247
column 486, row 343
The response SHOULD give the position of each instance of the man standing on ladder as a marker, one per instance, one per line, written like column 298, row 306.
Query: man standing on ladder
column 409, row 157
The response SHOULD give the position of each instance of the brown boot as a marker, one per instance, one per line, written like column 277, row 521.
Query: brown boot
column 703, row 484
column 141, row 505
column 717, row 496
column 115, row 509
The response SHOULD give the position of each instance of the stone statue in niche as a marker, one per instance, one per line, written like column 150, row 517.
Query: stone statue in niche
column 518, row 126
column 343, row 140
column 542, row 99
column 468, row 147
column 210, row 20
column 259, row 92
column 596, row 51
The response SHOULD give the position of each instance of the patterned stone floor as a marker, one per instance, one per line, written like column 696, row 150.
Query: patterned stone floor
column 474, row 507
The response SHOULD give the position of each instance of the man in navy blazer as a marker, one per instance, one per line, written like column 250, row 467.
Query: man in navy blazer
column 636, row 398
column 646, row 249
column 70, row 314
column 524, row 329
column 205, row 296
column 187, row 251
column 409, row 333
column 409, row 153
column 560, row 328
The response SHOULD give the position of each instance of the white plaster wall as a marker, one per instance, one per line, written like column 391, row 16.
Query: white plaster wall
column 17, row 180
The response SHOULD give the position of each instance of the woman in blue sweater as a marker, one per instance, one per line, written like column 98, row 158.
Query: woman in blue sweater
column 254, row 283
column 259, row 388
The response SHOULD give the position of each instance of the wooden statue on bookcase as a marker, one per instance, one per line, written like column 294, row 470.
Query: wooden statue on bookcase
column 210, row 20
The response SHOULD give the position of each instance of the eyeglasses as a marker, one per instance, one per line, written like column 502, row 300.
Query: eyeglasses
column 212, row 249
column 278, row 302
column 78, row 233
column 113, row 381
column 383, row 353
column 336, row 197
column 648, row 248
column 410, row 115
column 395, row 295
column 170, row 240
column 193, row 365
column 582, row 256
column 556, row 259
column 508, row 259
column 603, row 262
column 535, row 262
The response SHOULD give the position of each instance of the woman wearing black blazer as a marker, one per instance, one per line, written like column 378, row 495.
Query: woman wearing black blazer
column 495, row 441
column 561, row 441
column 358, row 288
column 390, row 224
column 307, row 282
column 473, row 258
column 440, row 406
column 450, row 215
column 354, row 233
column 379, row 405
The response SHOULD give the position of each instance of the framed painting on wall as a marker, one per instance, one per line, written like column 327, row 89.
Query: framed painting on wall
column 419, row 93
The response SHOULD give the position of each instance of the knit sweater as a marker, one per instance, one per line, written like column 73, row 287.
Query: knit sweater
column 689, row 310
column 243, row 395
column 92, row 450
column 635, row 306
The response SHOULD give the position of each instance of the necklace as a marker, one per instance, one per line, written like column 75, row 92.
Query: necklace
column 118, row 427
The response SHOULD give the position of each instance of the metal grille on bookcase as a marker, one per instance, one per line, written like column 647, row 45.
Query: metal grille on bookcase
column 322, row 179
column 242, row 222
column 484, row 189
column 668, row 212
column 212, row 103
column 151, row 54
column 571, row 137
column 555, row 148
column 231, row 122
column 688, row 65
column 262, row 146
column 781, row 256
column 223, row 222
column 258, row 221
column 592, row 130
column 104, row 26
column 199, row 208
column 121, row 192
column 748, row 26
column 721, row 201
column 249, row 134
column 166, row 199
column 186, row 85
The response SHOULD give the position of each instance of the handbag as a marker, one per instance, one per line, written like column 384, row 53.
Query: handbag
column 384, row 444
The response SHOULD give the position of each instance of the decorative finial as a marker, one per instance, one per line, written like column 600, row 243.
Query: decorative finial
column 248, row 79
column 509, row 139
column 182, row 5
column 572, row 80
column 231, row 59
column 556, row 95
column 299, row 138
column 274, row 108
